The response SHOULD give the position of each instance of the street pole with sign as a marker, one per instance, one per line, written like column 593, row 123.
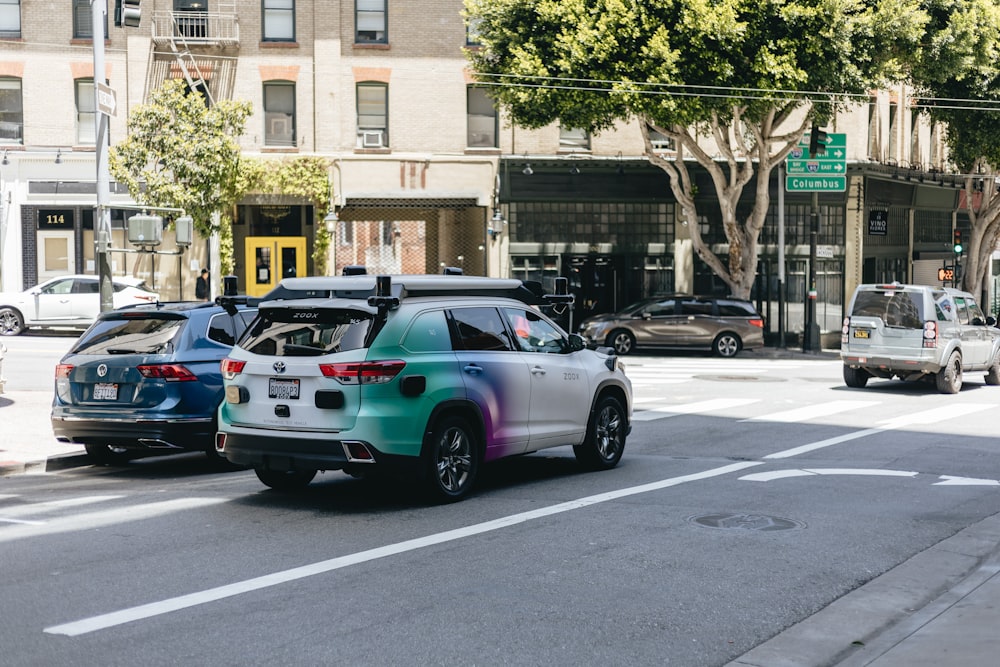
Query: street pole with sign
column 102, row 218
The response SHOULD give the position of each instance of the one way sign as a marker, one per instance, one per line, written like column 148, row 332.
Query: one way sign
column 106, row 101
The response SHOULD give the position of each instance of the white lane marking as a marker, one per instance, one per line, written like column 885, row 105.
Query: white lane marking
column 152, row 609
column 949, row 480
column 107, row 518
column 38, row 508
column 813, row 411
column 937, row 415
column 808, row 472
column 691, row 408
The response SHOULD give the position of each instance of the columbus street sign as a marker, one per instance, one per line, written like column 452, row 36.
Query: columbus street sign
column 822, row 173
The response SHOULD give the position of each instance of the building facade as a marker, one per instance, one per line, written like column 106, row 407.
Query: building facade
column 424, row 172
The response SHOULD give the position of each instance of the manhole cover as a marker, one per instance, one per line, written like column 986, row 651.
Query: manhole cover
column 738, row 378
column 761, row 522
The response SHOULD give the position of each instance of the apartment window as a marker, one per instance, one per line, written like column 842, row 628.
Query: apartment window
column 573, row 139
column 660, row 141
column 483, row 129
column 85, row 112
column 472, row 31
column 11, row 113
column 373, row 115
column 83, row 20
column 279, row 114
column 369, row 22
column 10, row 18
column 279, row 20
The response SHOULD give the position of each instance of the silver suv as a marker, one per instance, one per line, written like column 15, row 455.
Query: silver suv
column 918, row 332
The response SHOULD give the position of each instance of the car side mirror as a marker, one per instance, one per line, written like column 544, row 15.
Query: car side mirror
column 647, row 316
column 991, row 321
column 977, row 321
column 577, row 342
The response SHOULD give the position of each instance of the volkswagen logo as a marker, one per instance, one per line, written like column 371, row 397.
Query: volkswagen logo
column 102, row 370
column 279, row 367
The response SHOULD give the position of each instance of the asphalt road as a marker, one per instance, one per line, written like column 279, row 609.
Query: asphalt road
column 753, row 493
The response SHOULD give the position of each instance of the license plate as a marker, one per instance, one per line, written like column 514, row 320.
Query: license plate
column 283, row 389
column 105, row 392
column 862, row 333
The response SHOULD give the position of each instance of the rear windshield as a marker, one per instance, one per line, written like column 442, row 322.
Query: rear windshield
column 147, row 335
column 291, row 332
column 896, row 308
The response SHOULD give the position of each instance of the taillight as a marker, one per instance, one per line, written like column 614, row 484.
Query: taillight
column 756, row 323
column 930, row 333
column 62, row 370
column 363, row 372
column 168, row 372
column 846, row 328
column 231, row 368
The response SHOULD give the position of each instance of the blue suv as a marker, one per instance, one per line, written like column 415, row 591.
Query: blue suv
column 146, row 378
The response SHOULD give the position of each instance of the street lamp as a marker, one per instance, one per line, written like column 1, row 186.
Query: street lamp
column 330, row 221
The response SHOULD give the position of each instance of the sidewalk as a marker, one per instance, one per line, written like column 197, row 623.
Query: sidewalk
column 26, row 440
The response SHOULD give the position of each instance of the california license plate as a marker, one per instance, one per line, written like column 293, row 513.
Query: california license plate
column 862, row 333
column 283, row 389
column 105, row 391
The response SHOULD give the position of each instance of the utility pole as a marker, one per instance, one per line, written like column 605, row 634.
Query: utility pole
column 102, row 217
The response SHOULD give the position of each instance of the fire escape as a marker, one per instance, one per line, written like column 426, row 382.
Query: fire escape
column 199, row 46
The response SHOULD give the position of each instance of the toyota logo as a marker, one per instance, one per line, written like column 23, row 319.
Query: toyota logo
column 102, row 370
column 279, row 367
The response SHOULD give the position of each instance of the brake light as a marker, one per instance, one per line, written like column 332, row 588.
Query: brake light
column 168, row 372
column 363, row 372
column 930, row 333
column 231, row 368
column 756, row 322
column 63, row 370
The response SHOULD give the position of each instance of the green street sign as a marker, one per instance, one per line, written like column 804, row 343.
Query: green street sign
column 817, row 166
column 809, row 183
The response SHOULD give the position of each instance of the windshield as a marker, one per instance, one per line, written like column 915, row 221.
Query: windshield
column 896, row 308
column 293, row 332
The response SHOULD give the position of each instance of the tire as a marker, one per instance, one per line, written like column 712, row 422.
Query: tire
column 109, row 455
column 622, row 341
column 856, row 377
column 604, row 444
column 285, row 480
column 949, row 378
column 11, row 322
column 727, row 345
column 452, row 460
column 993, row 372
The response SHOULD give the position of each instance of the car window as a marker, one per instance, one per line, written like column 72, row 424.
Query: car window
column 81, row 286
column 222, row 329
column 59, row 287
column 307, row 331
column 428, row 333
column 145, row 335
column 974, row 310
column 480, row 329
column 736, row 309
column 696, row 307
column 660, row 308
column 532, row 333
column 962, row 310
column 894, row 307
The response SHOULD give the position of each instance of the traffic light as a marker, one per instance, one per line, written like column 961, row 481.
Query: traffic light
column 958, row 242
column 127, row 13
column 817, row 142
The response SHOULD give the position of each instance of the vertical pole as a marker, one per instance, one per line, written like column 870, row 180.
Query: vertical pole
column 102, row 217
column 812, row 327
column 781, row 255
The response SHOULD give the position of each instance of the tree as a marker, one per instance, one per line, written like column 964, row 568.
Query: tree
column 181, row 153
column 732, row 71
column 958, row 69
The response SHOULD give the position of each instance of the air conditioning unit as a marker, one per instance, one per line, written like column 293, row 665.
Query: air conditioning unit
column 372, row 139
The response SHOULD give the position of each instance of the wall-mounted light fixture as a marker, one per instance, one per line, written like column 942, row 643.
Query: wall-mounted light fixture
column 5, row 159
column 59, row 156
column 527, row 171
column 331, row 221
column 621, row 168
column 574, row 170
column 495, row 227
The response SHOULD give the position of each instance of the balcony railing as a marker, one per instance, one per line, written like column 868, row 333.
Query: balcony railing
column 196, row 28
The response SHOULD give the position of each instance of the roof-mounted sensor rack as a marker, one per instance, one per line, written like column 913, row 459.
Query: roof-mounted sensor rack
column 383, row 299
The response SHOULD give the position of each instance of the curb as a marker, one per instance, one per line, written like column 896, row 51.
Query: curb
column 59, row 462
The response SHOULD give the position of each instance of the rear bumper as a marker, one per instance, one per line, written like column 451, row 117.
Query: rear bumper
column 878, row 364
column 273, row 451
column 158, row 434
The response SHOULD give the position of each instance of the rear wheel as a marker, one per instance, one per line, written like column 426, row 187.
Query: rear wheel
column 856, row 377
column 949, row 378
column 622, row 341
column 727, row 344
column 285, row 480
column 109, row 455
column 605, row 441
column 452, row 459
column 993, row 372
column 11, row 322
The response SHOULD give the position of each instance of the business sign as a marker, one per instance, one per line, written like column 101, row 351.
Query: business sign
column 878, row 222
column 822, row 173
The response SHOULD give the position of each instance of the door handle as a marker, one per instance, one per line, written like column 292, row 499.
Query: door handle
column 537, row 370
column 473, row 369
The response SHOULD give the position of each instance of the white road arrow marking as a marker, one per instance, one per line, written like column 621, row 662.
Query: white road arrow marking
column 804, row 472
column 950, row 480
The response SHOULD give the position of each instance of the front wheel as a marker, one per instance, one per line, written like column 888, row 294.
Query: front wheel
column 727, row 345
column 285, row 480
column 452, row 460
column 108, row 455
column 993, row 372
column 855, row 378
column 11, row 322
column 949, row 378
column 604, row 444
column 621, row 341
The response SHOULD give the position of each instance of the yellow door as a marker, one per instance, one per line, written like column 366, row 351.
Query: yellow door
column 271, row 258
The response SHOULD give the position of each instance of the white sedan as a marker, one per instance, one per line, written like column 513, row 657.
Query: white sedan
column 68, row 301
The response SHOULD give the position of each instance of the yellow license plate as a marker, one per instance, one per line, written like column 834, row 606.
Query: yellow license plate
column 862, row 333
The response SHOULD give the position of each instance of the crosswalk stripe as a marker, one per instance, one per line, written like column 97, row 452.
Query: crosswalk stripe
column 691, row 408
column 812, row 411
column 40, row 508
